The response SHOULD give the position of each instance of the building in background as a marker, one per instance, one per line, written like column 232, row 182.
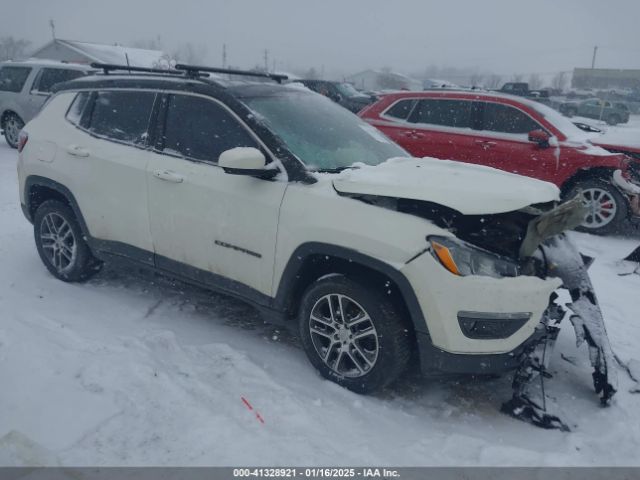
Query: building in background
column 84, row 52
column 605, row 78
column 373, row 80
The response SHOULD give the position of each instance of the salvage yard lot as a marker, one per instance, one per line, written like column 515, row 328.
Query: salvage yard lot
column 135, row 369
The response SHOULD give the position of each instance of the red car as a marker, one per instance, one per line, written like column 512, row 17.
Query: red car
column 513, row 134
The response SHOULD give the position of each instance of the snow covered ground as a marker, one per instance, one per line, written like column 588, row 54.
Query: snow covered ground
column 135, row 369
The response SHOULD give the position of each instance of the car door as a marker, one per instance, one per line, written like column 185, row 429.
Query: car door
column 502, row 141
column 107, row 154
column 590, row 108
column 442, row 128
column 206, row 224
column 44, row 82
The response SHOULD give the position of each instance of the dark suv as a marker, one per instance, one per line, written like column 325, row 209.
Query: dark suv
column 342, row 93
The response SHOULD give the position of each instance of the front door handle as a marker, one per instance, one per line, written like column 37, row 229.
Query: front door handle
column 77, row 151
column 168, row 176
column 485, row 144
column 412, row 134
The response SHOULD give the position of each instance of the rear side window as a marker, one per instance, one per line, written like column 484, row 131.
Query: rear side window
column 506, row 119
column 447, row 113
column 50, row 76
column 401, row 109
column 122, row 116
column 74, row 114
column 12, row 78
column 201, row 129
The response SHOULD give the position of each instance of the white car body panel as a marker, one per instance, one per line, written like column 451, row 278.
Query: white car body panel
column 469, row 189
column 225, row 224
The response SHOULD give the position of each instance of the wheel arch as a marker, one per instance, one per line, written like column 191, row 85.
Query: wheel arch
column 313, row 260
column 598, row 173
column 38, row 190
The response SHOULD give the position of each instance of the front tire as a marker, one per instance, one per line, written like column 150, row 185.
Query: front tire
column 353, row 335
column 12, row 125
column 61, row 244
column 608, row 208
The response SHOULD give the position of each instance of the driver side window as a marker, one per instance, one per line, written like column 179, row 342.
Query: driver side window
column 200, row 129
column 506, row 119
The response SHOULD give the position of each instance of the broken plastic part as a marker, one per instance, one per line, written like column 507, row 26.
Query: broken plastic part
column 565, row 262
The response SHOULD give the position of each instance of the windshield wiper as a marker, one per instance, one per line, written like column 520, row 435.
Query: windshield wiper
column 333, row 170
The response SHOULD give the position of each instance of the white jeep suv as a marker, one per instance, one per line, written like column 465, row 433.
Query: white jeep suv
column 276, row 195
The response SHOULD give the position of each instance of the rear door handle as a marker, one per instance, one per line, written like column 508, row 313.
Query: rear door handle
column 168, row 176
column 77, row 151
column 412, row 134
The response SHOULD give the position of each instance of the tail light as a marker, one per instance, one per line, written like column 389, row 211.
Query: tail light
column 22, row 140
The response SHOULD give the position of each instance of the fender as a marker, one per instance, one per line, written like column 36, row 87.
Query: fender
column 36, row 180
column 291, row 273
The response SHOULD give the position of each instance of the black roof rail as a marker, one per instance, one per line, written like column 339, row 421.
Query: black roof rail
column 110, row 67
column 193, row 70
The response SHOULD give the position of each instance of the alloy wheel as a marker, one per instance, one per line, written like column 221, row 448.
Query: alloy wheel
column 601, row 207
column 343, row 335
column 58, row 242
column 12, row 127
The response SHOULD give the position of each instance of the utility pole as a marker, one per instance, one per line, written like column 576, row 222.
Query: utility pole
column 593, row 60
column 224, row 55
column 53, row 28
column 266, row 60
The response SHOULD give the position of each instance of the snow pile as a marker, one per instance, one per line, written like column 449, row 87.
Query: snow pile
column 135, row 369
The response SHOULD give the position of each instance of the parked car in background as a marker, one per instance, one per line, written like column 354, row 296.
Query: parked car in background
column 25, row 86
column 598, row 109
column 510, row 133
column 342, row 93
column 521, row 89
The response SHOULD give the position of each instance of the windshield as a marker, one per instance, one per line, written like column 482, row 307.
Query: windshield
column 322, row 134
column 348, row 90
column 562, row 123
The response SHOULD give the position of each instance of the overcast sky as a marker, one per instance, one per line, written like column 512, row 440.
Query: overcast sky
column 501, row 36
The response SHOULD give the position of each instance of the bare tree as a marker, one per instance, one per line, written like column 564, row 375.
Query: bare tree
column 13, row 49
column 191, row 54
column 311, row 74
column 493, row 81
column 517, row 77
column 535, row 82
column 476, row 79
column 559, row 81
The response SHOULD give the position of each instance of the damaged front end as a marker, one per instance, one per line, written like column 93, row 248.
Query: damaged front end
column 533, row 238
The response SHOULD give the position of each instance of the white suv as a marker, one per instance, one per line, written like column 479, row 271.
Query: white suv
column 278, row 196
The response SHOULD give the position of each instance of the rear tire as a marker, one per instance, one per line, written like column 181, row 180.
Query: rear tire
column 61, row 244
column 608, row 207
column 12, row 124
column 353, row 335
column 613, row 119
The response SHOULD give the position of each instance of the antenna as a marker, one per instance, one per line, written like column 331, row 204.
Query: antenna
column 224, row 55
column 53, row 28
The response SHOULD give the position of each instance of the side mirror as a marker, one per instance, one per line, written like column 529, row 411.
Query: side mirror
column 539, row 137
column 245, row 161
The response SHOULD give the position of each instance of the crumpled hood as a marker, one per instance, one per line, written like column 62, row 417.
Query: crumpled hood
column 469, row 189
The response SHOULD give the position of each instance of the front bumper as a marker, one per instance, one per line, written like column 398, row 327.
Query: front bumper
column 435, row 361
column 442, row 296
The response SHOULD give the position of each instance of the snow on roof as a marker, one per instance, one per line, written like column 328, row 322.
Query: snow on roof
column 117, row 54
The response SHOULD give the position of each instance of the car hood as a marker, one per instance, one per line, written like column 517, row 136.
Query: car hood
column 469, row 189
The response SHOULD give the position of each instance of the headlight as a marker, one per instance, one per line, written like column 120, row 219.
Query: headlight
column 463, row 259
